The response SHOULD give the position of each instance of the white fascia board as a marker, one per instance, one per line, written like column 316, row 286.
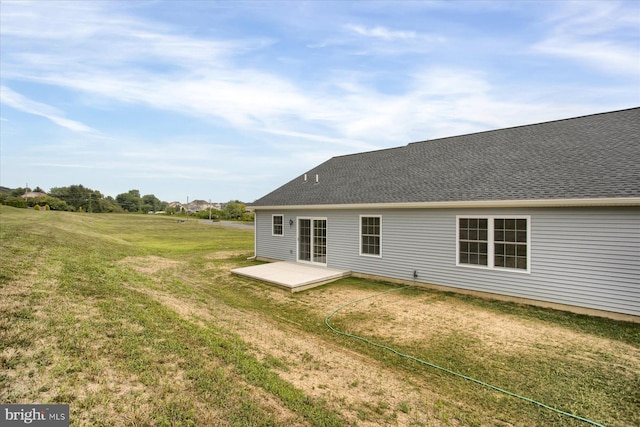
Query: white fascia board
column 537, row 203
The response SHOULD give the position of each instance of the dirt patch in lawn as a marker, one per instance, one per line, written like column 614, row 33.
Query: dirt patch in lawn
column 227, row 255
column 150, row 264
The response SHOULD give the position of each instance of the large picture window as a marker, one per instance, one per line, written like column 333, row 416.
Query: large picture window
column 494, row 242
column 370, row 235
column 277, row 225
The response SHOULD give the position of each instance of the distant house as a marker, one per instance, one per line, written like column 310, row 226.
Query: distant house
column 548, row 213
column 33, row 195
column 195, row 206
column 176, row 206
column 200, row 205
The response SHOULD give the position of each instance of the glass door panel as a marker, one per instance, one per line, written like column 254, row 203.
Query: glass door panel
column 320, row 241
column 304, row 240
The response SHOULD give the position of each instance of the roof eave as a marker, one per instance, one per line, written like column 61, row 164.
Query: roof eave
column 462, row 204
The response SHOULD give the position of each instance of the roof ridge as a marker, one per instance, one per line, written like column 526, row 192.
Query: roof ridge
column 483, row 132
column 368, row 152
column 523, row 126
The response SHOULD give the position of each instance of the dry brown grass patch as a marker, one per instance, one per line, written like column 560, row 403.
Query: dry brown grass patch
column 150, row 264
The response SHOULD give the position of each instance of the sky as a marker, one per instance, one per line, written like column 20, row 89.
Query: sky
column 226, row 100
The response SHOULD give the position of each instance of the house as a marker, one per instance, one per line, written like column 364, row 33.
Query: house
column 547, row 213
column 176, row 206
column 199, row 205
column 33, row 194
column 195, row 206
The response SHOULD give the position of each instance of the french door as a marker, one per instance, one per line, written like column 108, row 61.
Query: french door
column 312, row 240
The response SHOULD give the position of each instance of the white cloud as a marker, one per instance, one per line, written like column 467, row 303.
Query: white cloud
column 380, row 40
column 587, row 18
column 590, row 32
column 354, row 144
column 101, row 53
column 605, row 55
column 88, row 35
column 22, row 103
column 383, row 33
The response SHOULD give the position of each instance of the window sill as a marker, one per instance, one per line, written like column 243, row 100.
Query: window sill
column 486, row 267
column 370, row 256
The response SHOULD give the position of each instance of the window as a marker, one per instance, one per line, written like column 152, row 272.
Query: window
column 277, row 222
column 370, row 235
column 472, row 239
column 510, row 242
column 494, row 242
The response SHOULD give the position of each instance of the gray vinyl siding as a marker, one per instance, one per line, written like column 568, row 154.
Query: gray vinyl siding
column 587, row 257
column 276, row 247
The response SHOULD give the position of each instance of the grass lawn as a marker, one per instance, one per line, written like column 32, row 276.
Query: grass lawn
column 135, row 320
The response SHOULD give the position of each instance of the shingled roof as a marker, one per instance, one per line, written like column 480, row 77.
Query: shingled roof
column 595, row 156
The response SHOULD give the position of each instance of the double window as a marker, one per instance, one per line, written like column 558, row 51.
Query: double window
column 494, row 242
column 370, row 235
column 277, row 225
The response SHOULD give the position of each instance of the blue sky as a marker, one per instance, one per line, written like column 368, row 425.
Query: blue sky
column 229, row 100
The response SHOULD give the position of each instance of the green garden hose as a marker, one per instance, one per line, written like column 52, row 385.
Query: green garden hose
column 424, row 362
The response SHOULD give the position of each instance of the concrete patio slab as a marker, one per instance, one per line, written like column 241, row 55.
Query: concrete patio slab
column 292, row 275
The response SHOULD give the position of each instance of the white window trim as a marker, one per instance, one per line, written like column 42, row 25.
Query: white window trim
column 272, row 224
column 491, row 243
column 360, row 236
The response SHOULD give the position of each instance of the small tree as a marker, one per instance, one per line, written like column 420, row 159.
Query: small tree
column 204, row 214
column 234, row 210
